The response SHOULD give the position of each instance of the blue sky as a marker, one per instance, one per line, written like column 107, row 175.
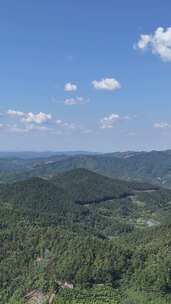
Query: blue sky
column 79, row 75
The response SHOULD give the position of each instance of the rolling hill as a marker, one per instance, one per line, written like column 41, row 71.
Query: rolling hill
column 90, row 201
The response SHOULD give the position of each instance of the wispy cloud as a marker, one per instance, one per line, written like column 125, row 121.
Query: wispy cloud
column 15, row 113
column 29, row 122
column 30, row 117
column 75, row 101
column 108, row 122
column 162, row 125
column 23, row 128
column 65, row 124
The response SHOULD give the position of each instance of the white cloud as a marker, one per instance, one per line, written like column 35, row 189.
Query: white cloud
column 162, row 125
column 28, row 122
column 20, row 128
column 75, row 101
column 70, row 87
column 30, row 117
column 15, row 113
column 31, row 127
column 109, row 84
column 159, row 43
column 110, row 121
column 39, row 118
column 65, row 124
column 143, row 42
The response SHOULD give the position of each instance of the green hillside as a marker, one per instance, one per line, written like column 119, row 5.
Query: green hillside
column 109, row 238
column 35, row 257
column 91, row 201
column 85, row 186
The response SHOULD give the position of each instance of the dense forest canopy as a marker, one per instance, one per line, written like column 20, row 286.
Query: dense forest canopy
column 80, row 237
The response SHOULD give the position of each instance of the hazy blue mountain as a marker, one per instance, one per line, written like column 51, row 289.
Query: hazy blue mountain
column 153, row 167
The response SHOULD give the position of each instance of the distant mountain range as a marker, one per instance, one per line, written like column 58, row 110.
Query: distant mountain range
column 39, row 154
column 152, row 167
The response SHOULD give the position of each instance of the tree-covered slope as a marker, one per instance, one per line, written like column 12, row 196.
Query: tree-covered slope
column 34, row 194
column 85, row 186
column 113, row 250
column 76, row 185
column 37, row 257
column 84, row 197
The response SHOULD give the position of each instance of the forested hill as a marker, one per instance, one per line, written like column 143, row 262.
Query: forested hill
column 97, row 203
column 86, row 186
column 79, row 185
column 111, row 250
column 109, row 239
